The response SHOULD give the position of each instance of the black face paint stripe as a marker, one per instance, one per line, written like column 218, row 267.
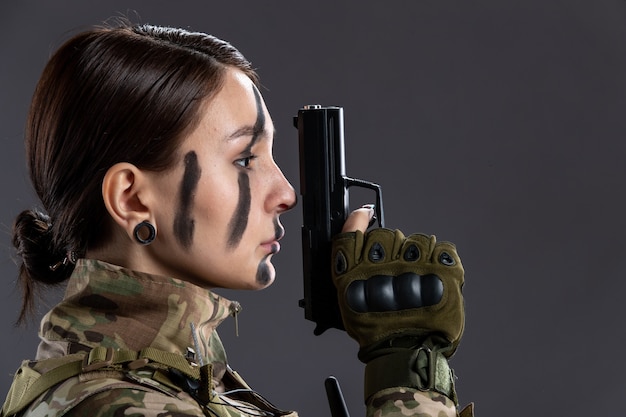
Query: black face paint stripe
column 183, row 222
column 259, row 124
column 263, row 275
column 279, row 231
column 263, row 272
column 239, row 221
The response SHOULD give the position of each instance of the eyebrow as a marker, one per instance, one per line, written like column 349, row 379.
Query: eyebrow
column 249, row 130
column 258, row 130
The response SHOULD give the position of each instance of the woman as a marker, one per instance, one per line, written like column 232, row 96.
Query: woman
column 151, row 151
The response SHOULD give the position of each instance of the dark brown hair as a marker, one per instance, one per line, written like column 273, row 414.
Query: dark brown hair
column 108, row 95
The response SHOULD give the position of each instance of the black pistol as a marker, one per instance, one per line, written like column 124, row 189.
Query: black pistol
column 325, row 207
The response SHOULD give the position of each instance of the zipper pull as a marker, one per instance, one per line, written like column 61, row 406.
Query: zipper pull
column 197, row 352
column 235, row 308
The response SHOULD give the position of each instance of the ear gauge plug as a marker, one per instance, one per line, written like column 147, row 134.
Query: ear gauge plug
column 144, row 233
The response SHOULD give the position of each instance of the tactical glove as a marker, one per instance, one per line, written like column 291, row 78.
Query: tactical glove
column 400, row 299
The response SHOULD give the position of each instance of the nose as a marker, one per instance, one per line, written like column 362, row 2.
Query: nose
column 283, row 197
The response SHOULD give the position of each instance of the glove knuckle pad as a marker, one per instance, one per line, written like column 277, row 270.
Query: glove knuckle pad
column 386, row 293
column 376, row 253
column 340, row 263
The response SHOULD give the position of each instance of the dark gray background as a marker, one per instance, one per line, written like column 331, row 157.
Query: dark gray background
column 495, row 124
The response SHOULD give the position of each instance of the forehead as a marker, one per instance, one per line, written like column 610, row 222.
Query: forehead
column 234, row 108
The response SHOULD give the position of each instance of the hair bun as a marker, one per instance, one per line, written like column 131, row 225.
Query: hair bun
column 32, row 238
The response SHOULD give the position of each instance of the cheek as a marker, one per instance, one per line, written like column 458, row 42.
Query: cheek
column 215, row 203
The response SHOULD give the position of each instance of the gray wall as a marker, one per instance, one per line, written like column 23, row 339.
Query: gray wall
column 494, row 124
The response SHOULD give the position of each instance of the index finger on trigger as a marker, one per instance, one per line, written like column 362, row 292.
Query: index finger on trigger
column 359, row 219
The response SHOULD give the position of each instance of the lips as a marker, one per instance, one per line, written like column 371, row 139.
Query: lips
column 275, row 247
column 271, row 245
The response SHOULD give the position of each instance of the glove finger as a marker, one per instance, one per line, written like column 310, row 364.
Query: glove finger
column 381, row 245
column 446, row 261
column 417, row 248
column 346, row 251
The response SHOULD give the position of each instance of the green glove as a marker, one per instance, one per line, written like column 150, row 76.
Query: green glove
column 400, row 298
column 390, row 285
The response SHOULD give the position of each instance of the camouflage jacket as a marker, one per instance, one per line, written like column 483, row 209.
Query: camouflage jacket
column 112, row 310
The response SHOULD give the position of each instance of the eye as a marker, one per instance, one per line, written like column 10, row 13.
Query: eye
column 245, row 162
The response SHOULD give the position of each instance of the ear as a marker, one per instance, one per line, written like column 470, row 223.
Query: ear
column 125, row 193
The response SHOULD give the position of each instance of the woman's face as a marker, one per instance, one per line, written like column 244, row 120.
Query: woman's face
column 218, row 224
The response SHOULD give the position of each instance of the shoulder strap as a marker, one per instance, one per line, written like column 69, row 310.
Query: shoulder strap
column 34, row 378
column 29, row 383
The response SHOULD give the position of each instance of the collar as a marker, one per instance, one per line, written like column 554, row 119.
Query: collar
column 111, row 306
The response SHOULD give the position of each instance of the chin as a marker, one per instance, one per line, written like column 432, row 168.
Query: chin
column 265, row 275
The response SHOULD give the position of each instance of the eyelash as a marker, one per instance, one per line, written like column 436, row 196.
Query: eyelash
column 245, row 161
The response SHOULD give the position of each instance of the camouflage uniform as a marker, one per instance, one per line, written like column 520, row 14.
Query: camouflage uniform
column 107, row 306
